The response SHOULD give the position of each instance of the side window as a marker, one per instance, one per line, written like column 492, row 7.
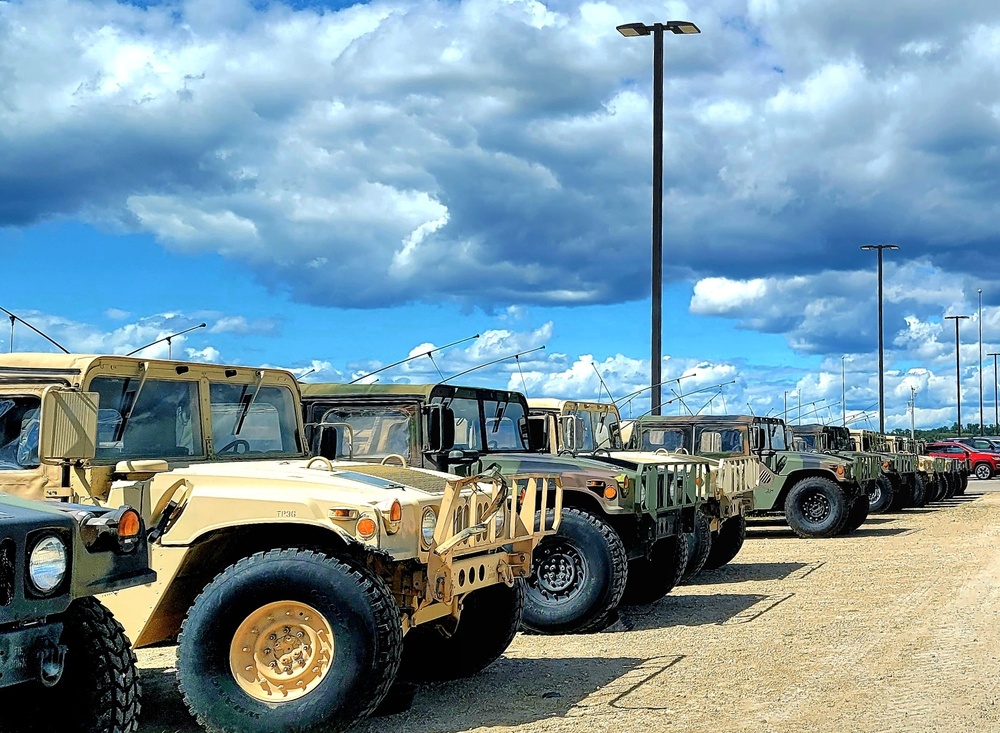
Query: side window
column 19, row 433
column 243, row 422
column 160, row 420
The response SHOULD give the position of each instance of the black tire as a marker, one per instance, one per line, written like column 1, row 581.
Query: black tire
column 357, row 606
column 99, row 689
column 880, row 495
column 699, row 545
column 951, row 486
column 816, row 507
column 489, row 620
column 983, row 471
column 727, row 542
column 578, row 576
column 963, row 485
column 651, row 578
column 901, row 493
column 857, row 514
column 942, row 486
column 920, row 491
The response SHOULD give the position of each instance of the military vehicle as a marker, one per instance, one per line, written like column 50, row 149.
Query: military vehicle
column 836, row 439
column 817, row 494
column 622, row 534
column 897, row 487
column 61, row 651
column 594, row 429
column 288, row 581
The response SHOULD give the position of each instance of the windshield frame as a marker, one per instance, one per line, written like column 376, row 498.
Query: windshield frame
column 446, row 394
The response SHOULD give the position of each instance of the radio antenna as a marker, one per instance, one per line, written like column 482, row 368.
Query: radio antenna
column 45, row 336
column 169, row 339
column 640, row 391
column 516, row 356
column 603, row 384
column 416, row 356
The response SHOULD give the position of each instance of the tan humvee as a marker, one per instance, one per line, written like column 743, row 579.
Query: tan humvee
column 289, row 580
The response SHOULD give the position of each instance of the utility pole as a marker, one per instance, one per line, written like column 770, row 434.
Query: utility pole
column 996, row 402
column 958, row 371
column 982, row 428
column 913, row 411
column 843, row 390
column 881, row 350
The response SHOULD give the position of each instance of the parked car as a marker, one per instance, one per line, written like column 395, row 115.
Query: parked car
column 979, row 442
column 985, row 464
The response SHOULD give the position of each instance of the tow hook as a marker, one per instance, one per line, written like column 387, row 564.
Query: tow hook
column 52, row 662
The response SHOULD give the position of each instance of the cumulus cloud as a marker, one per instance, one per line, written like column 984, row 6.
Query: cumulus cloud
column 342, row 162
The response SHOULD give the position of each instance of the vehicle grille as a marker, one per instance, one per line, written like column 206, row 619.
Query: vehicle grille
column 8, row 555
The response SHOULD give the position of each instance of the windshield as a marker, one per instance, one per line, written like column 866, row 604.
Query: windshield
column 776, row 435
column 505, row 427
column 669, row 439
column 19, row 433
column 716, row 442
column 811, row 442
column 600, row 429
column 160, row 420
column 246, row 419
column 378, row 431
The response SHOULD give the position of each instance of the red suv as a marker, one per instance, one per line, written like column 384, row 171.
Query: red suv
column 985, row 464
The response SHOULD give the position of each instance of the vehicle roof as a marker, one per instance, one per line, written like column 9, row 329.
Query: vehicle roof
column 701, row 419
column 395, row 389
column 26, row 365
column 553, row 403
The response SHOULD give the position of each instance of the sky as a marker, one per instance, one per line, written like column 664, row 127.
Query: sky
column 332, row 187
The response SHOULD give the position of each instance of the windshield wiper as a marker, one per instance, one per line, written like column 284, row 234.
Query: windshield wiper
column 144, row 369
column 247, row 404
column 501, row 408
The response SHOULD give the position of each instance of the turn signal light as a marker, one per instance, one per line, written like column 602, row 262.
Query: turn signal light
column 610, row 492
column 129, row 525
column 395, row 512
column 367, row 528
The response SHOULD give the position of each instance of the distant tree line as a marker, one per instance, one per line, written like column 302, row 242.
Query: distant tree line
column 947, row 431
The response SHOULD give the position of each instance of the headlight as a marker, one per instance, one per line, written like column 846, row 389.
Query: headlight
column 47, row 564
column 428, row 523
column 498, row 522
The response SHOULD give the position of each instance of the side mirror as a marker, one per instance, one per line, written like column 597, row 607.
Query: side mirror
column 570, row 431
column 67, row 429
column 440, row 428
column 329, row 442
column 326, row 439
column 757, row 438
column 537, row 435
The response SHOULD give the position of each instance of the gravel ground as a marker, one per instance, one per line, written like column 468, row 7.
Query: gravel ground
column 891, row 629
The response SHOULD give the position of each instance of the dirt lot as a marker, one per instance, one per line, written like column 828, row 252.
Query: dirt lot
column 892, row 629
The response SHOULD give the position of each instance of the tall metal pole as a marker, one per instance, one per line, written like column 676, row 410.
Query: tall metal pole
column 786, row 404
column 913, row 413
column 881, row 353
column 881, row 343
column 982, row 429
column 798, row 413
column 996, row 396
column 958, row 372
column 656, row 356
column 843, row 390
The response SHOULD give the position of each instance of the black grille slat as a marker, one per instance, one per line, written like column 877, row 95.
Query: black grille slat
column 8, row 561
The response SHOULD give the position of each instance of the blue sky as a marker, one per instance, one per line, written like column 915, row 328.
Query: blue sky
column 333, row 186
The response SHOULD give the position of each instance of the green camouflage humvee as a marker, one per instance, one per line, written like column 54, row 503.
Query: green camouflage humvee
column 594, row 429
column 818, row 494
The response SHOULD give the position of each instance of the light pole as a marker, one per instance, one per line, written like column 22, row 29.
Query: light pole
column 881, row 351
column 784, row 415
column 982, row 429
column 843, row 389
column 913, row 413
column 958, row 372
column 631, row 30
column 996, row 403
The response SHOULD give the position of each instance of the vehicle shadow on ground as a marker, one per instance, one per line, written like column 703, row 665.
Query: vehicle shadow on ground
column 510, row 692
column 521, row 691
column 685, row 610
column 783, row 533
column 736, row 572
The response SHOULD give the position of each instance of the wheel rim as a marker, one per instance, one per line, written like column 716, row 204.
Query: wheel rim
column 560, row 571
column 816, row 507
column 874, row 494
column 281, row 652
column 983, row 472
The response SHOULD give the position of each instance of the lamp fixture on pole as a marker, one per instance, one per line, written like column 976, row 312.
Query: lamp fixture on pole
column 632, row 30
column 958, row 372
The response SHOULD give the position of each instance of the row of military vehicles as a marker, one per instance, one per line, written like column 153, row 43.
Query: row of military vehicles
column 311, row 548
